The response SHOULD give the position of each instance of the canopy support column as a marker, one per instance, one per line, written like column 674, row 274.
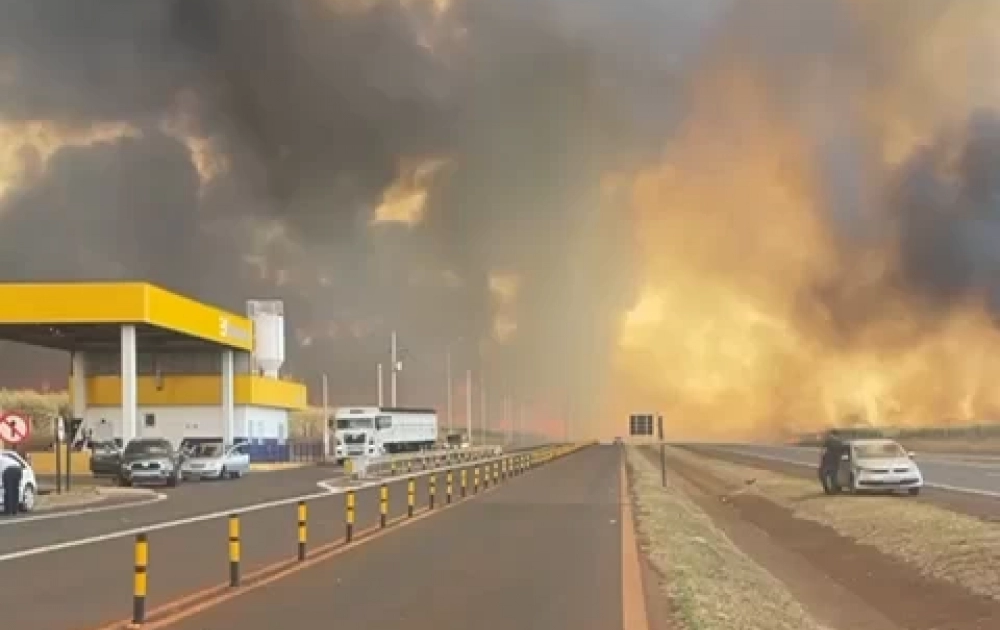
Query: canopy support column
column 130, row 411
column 228, row 404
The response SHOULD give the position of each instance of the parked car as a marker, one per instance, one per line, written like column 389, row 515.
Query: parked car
column 105, row 458
column 215, row 460
column 29, row 484
column 878, row 465
column 150, row 460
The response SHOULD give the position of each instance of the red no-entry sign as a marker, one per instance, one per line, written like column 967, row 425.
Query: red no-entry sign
column 14, row 428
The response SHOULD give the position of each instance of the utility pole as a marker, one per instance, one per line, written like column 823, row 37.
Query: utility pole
column 447, row 364
column 326, row 420
column 482, row 407
column 468, row 405
column 663, row 457
column 395, row 367
column 381, row 388
column 520, row 423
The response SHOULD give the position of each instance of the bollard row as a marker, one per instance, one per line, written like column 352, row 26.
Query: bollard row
column 503, row 469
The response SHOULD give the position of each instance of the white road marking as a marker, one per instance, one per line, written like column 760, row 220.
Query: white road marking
column 156, row 498
column 328, row 490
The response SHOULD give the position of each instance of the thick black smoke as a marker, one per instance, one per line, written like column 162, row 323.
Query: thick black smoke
column 314, row 103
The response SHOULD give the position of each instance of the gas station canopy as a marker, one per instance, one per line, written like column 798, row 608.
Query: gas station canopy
column 89, row 316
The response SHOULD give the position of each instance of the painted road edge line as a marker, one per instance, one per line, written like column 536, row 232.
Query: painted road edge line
column 634, row 613
column 328, row 491
column 786, row 460
column 154, row 498
column 195, row 603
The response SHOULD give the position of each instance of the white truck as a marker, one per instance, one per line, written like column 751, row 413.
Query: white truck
column 374, row 431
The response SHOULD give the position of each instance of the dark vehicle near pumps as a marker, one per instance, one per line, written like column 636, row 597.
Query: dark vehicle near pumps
column 150, row 461
column 105, row 458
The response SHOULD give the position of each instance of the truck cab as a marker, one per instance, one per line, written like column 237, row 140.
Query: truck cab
column 356, row 436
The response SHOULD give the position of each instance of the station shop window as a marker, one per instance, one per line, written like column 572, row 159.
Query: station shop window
column 149, row 420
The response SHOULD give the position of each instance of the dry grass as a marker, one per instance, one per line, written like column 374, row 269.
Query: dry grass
column 940, row 543
column 711, row 583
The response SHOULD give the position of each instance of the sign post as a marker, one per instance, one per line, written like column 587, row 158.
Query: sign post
column 663, row 455
column 14, row 428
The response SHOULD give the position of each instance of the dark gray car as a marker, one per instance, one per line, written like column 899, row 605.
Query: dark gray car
column 105, row 459
column 150, row 461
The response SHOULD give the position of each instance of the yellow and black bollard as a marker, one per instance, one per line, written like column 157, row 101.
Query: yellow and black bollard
column 486, row 476
column 302, row 530
column 462, row 490
column 496, row 473
column 234, row 550
column 411, row 491
column 383, row 505
column 139, row 580
column 448, row 487
column 349, row 515
column 431, row 491
column 475, row 482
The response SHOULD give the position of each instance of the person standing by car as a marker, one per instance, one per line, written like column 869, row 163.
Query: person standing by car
column 12, row 474
column 833, row 449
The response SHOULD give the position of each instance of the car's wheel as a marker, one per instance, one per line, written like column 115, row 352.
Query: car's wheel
column 28, row 498
column 914, row 491
column 123, row 482
column 223, row 473
column 172, row 482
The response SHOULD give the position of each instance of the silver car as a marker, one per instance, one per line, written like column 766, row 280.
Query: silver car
column 215, row 460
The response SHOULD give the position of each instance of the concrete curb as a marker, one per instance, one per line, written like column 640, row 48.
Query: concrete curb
column 124, row 492
column 275, row 467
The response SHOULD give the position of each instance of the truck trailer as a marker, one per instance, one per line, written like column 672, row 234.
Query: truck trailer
column 374, row 431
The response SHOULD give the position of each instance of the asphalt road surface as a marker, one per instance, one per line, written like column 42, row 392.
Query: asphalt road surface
column 944, row 472
column 542, row 551
column 190, row 499
column 552, row 528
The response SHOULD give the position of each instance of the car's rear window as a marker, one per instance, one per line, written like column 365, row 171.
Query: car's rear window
column 151, row 447
column 886, row 449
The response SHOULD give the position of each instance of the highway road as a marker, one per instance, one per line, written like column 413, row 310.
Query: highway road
column 980, row 476
column 548, row 541
column 543, row 551
column 190, row 499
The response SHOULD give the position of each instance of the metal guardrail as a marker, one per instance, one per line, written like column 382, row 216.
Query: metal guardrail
column 473, row 476
column 362, row 467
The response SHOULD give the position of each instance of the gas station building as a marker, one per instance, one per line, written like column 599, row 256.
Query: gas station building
column 147, row 362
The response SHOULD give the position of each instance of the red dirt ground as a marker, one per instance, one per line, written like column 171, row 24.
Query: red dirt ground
column 843, row 584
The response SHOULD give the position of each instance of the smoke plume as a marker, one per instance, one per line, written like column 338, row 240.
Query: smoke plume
column 753, row 217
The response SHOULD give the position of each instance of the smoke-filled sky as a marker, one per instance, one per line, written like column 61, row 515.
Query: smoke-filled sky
column 750, row 216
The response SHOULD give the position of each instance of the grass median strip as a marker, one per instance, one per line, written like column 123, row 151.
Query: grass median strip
column 710, row 582
column 939, row 543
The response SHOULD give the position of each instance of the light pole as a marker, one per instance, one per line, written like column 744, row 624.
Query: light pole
column 448, row 376
column 326, row 420
column 395, row 367
column 380, row 387
column 468, row 405
column 482, row 406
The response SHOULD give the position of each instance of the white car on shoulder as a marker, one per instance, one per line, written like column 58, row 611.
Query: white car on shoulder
column 872, row 465
column 29, row 484
column 214, row 460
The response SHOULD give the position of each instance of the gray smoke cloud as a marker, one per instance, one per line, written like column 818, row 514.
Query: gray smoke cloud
column 314, row 103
